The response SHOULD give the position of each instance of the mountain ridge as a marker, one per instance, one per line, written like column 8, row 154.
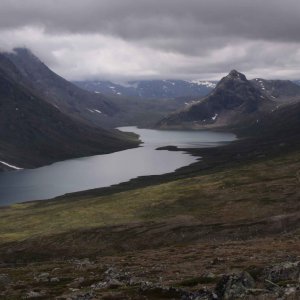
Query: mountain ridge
column 68, row 98
column 34, row 133
column 234, row 100
column 150, row 89
column 233, row 97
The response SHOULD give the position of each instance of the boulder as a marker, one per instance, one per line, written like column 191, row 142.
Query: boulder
column 234, row 286
column 287, row 271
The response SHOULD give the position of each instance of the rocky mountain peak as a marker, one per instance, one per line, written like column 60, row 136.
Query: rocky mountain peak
column 234, row 74
column 234, row 99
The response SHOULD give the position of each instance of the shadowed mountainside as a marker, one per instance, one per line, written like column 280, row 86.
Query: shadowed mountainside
column 79, row 104
column 34, row 132
column 235, row 100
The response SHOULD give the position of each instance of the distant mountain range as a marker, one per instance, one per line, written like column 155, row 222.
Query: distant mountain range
column 166, row 89
column 234, row 100
column 34, row 131
column 297, row 82
column 150, row 89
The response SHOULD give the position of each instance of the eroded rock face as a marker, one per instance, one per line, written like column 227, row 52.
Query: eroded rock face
column 234, row 286
column 287, row 271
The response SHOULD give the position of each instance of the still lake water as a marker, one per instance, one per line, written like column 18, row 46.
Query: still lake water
column 105, row 170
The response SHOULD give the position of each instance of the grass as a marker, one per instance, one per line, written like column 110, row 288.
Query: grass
column 246, row 192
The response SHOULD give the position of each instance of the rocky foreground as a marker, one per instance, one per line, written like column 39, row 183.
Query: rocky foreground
column 266, row 268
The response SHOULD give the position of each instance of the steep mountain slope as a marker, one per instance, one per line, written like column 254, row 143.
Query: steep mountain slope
column 150, row 89
column 34, row 132
column 282, row 123
column 283, row 91
column 90, row 106
column 79, row 104
column 234, row 99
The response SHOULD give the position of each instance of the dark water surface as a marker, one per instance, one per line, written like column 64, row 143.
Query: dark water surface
column 104, row 170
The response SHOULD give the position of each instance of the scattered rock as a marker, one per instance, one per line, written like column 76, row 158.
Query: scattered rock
column 33, row 294
column 110, row 284
column 111, row 273
column 84, row 263
column 199, row 295
column 217, row 261
column 43, row 277
column 148, row 288
column 76, row 282
column 234, row 286
column 133, row 281
column 287, row 271
column 290, row 291
column 55, row 270
column 78, row 296
column 114, row 283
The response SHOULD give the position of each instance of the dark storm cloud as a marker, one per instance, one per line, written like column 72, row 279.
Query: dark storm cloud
column 136, row 19
column 241, row 32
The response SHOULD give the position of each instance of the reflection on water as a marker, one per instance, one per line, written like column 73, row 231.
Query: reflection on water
column 105, row 170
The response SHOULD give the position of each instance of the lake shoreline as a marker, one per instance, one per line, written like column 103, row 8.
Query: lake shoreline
column 235, row 154
column 210, row 160
column 108, row 170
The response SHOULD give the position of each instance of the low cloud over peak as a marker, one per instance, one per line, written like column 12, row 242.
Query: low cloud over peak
column 133, row 39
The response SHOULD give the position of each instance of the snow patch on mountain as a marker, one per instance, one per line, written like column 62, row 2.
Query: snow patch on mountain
column 9, row 165
column 208, row 84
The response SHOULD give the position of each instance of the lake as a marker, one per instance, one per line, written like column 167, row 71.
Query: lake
column 104, row 170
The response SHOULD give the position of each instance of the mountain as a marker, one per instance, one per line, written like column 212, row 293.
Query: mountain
column 281, row 124
column 234, row 99
column 150, row 89
column 33, row 132
column 93, row 109
column 87, row 103
column 283, row 91
column 297, row 82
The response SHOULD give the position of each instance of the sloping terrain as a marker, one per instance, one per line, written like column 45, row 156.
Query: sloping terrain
column 34, row 132
column 79, row 104
column 128, row 107
column 234, row 99
column 282, row 91
column 144, row 112
column 227, row 225
column 231, row 217
column 162, row 241
column 282, row 122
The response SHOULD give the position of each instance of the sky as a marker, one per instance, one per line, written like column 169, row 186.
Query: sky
column 124, row 40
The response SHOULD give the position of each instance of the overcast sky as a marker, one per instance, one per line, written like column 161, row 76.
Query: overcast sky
column 141, row 39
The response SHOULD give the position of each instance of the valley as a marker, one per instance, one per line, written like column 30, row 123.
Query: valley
column 204, row 214
column 140, row 239
column 149, row 150
column 110, row 169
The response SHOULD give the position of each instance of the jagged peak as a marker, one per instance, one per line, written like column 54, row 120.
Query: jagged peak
column 234, row 74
